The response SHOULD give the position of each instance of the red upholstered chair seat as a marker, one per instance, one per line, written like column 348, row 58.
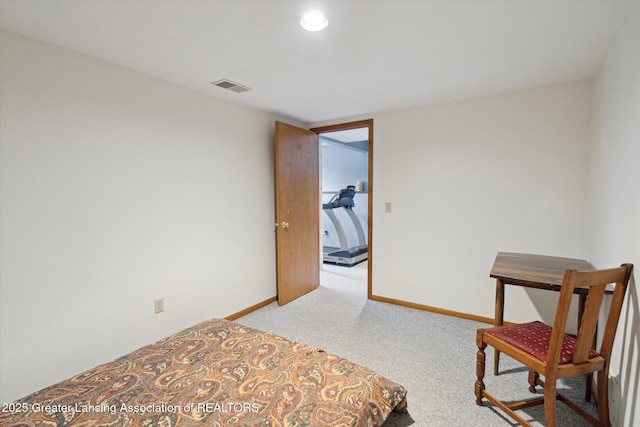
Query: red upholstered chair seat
column 530, row 344
column 533, row 338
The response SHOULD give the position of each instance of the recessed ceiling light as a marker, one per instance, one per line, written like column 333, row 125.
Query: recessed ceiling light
column 314, row 20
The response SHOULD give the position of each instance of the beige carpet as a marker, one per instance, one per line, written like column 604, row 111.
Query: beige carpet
column 432, row 355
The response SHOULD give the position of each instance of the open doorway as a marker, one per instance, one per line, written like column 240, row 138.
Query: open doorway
column 346, row 159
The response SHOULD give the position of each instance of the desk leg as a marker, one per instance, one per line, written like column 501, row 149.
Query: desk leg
column 498, row 320
column 589, row 377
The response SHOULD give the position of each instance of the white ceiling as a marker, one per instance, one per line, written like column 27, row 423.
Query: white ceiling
column 374, row 55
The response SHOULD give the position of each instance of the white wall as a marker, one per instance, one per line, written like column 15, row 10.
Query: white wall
column 615, row 188
column 342, row 166
column 117, row 189
column 471, row 178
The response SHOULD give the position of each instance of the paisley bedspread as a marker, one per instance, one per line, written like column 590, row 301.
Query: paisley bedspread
column 217, row 373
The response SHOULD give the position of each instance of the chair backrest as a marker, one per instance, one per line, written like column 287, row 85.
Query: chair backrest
column 596, row 282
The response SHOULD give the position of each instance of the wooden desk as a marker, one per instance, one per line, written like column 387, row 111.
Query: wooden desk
column 533, row 271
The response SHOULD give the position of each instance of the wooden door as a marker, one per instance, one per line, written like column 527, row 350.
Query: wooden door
column 297, row 212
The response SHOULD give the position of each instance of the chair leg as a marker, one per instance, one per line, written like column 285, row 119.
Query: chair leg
column 602, row 392
column 550, row 402
column 533, row 380
column 480, row 368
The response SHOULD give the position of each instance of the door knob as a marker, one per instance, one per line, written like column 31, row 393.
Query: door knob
column 284, row 224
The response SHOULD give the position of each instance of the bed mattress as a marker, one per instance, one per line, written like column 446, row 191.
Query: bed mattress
column 217, row 373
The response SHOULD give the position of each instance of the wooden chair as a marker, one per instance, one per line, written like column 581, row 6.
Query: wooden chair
column 548, row 351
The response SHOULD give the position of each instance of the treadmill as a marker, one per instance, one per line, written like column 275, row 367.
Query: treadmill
column 344, row 255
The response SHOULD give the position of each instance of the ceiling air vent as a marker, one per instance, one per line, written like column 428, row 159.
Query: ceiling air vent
column 232, row 86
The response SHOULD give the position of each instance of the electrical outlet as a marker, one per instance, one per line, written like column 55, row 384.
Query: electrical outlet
column 159, row 305
column 387, row 207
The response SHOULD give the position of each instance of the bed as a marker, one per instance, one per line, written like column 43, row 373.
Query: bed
column 216, row 373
